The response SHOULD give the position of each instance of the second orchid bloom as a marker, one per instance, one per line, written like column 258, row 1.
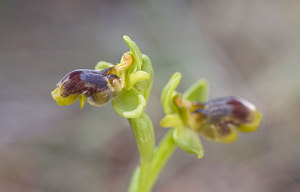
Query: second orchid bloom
column 191, row 114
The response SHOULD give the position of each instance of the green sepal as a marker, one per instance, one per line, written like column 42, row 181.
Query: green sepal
column 172, row 120
column 146, row 86
column 197, row 92
column 102, row 65
column 189, row 141
column 135, row 52
column 169, row 92
column 129, row 104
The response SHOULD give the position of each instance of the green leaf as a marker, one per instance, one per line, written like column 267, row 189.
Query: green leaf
column 129, row 104
column 189, row 141
column 169, row 92
column 172, row 120
column 197, row 92
column 102, row 65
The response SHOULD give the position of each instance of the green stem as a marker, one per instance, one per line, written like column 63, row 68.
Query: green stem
column 151, row 162
column 161, row 156
column 143, row 130
column 134, row 183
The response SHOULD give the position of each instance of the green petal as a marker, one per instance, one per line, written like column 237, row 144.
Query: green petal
column 137, row 77
column 198, row 92
column 102, row 65
column 168, row 94
column 172, row 120
column 129, row 104
column 189, row 141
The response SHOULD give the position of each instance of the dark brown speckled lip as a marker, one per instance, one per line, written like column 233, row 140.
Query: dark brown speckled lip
column 86, row 81
column 226, row 111
column 226, row 106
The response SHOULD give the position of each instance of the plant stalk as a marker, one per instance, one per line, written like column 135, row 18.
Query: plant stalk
column 161, row 156
column 144, row 134
column 143, row 180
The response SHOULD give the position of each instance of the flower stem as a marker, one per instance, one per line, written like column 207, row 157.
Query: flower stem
column 151, row 162
column 161, row 156
column 143, row 130
column 134, row 183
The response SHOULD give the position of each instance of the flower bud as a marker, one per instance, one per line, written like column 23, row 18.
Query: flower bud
column 98, row 87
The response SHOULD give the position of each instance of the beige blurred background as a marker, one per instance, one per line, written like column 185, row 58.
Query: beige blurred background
column 244, row 48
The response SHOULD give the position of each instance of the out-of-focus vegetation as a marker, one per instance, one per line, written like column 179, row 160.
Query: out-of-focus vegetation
column 244, row 48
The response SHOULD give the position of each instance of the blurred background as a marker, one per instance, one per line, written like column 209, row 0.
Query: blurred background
column 245, row 48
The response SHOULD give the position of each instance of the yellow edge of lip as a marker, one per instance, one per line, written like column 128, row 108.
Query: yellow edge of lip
column 56, row 95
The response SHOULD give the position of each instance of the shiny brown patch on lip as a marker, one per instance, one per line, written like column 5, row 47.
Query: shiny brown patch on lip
column 98, row 86
column 228, row 109
column 84, row 81
column 224, row 129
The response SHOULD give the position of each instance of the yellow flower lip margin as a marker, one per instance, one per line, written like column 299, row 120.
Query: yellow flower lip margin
column 252, row 125
column 56, row 95
column 60, row 100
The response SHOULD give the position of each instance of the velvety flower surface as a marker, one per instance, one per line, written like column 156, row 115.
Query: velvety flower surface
column 218, row 119
column 97, row 87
